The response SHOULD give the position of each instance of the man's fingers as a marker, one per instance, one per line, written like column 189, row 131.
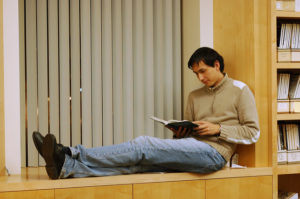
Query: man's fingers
column 182, row 132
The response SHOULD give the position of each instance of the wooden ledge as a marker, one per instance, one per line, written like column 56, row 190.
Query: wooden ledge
column 36, row 178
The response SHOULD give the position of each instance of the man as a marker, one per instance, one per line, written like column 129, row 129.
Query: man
column 224, row 110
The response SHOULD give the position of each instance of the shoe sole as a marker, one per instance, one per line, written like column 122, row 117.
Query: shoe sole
column 48, row 152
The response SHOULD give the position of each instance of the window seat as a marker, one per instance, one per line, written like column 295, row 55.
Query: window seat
column 37, row 179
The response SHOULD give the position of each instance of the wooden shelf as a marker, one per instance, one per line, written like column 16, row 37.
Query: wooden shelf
column 287, row 14
column 288, row 169
column 288, row 65
column 288, row 116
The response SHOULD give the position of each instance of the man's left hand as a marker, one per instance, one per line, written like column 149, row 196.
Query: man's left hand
column 206, row 128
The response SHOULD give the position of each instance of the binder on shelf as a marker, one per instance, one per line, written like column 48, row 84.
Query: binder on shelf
column 293, row 156
column 281, row 145
column 295, row 52
column 289, row 43
column 287, row 195
column 295, row 55
column 282, row 157
column 284, row 55
column 288, row 5
column 283, row 51
column 297, row 5
column 294, row 93
column 288, row 145
column 295, row 106
column 283, row 106
column 283, row 81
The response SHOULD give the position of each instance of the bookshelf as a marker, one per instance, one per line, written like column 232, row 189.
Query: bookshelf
column 286, row 65
column 288, row 169
column 248, row 36
column 286, row 175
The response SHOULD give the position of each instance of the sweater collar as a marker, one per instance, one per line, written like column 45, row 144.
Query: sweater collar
column 219, row 86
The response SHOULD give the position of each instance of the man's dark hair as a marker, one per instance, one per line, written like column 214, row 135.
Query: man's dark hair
column 208, row 56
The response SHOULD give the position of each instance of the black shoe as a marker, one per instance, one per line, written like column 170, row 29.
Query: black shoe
column 38, row 140
column 54, row 156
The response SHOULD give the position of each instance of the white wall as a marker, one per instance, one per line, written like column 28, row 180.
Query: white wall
column 11, row 86
column 206, row 23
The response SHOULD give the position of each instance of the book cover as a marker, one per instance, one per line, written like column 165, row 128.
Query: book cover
column 175, row 123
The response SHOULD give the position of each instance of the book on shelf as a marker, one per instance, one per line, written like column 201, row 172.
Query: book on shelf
column 294, row 86
column 294, row 93
column 297, row 5
column 175, row 123
column 288, row 5
column 288, row 93
column 283, row 81
column 287, row 195
column 289, row 43
column 288, row 145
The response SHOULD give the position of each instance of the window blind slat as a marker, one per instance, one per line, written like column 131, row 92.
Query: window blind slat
column 96, row 73
column 168, row 85
column 107, row 73
column 53, row 67
column 75, row 71
column 148, row 66
column 177, row 60
column 42, row 69
column 31, row 63
column 138, row 69
column 86, row 67
column 64, row 73
column 158, row 69
column 127, row 69
column 117, row 71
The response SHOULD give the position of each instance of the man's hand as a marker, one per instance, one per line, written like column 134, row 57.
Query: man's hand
column 206, row 128
column 180, row 132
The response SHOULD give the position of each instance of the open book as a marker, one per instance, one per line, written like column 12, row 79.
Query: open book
column 175, row 123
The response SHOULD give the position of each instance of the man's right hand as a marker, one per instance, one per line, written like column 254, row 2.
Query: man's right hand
column 180, row 132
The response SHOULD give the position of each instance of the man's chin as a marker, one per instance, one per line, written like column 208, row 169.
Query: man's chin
column 207, row 84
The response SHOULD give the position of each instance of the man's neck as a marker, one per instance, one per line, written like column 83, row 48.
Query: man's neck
column 219, row 80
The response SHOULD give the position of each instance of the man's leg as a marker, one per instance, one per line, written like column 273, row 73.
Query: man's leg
column 143, row 154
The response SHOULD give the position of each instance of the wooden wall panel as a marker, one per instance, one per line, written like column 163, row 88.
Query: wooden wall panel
column 111, row 192
column 241, row 38
column 172, row 190
column 41, row 194
column 234, row 188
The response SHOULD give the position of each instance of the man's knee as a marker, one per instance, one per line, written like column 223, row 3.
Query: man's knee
column 141, row 139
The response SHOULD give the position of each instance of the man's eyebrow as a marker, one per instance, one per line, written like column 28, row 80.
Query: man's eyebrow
column 199, row 70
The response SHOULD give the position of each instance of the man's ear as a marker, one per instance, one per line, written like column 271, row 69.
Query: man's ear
column 217, row 65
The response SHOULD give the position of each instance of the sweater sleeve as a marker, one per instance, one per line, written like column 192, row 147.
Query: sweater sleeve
column 248, row 130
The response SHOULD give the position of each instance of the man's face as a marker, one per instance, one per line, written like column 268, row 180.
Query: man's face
column 210, row 76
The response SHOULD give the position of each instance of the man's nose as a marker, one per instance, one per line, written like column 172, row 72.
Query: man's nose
column 200, row 76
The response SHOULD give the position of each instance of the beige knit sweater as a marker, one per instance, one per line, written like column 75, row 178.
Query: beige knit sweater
column 230, row 104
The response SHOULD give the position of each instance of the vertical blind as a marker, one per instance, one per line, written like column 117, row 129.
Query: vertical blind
column 96, row 70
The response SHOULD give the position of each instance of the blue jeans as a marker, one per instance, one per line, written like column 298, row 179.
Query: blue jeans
column 143, row 154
